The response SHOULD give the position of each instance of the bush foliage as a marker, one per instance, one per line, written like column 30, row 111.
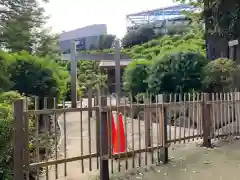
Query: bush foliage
column 135, row 76
column 176, row 72
column 24, row 74
column 221, row 75
column 177, row 63
column 6, row 120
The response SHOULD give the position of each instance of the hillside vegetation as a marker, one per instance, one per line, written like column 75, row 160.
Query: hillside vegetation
column 189, row 41
column 179, row 59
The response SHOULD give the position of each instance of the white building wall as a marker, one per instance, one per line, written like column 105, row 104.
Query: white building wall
column 88, row 35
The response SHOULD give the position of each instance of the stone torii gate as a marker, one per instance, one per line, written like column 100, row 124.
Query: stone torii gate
column 75, row 56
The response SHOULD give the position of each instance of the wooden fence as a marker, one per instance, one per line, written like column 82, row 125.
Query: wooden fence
column 81, row 135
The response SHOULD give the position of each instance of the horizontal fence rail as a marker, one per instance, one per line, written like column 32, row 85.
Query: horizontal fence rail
column 119, row 133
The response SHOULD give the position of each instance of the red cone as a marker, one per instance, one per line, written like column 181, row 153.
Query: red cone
column 120, row 140
column 114, row 131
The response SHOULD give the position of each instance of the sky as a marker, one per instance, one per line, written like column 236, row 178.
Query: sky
column 72, row 14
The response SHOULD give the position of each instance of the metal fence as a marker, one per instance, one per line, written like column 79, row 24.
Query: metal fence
column 57, row 141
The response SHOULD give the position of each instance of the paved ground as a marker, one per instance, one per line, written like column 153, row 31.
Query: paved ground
column 189, row 162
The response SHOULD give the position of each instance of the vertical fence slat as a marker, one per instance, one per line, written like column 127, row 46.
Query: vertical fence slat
column 224, row 113
column 163, row 131
column 132, row 127
column 46, row 123
column 189, row 115
column 110, row 132
column 97, row 128
column 221, row 113
column 193, row 116
column 26, row 141
column 89, row 127
column 198, row 116
column 81, row 135
column 18, row 140
column 217, row 108
column 227, row 123
column 55, row 134
column 158, row 131
column 213, row 115
column 169, row 119
column 139, row 134
column 65, row 138
column 152, row 122
column 147, row 126
column 36, row 104
column 126, row 133
column 200, row 113
column 174, row 117
column 206, row 121
column 238, row 112
column 147, row 121
column 229, row 100
column 179, row 117
column 118, row 131
column 104, row 165
column 232, row 94
column 184, row 118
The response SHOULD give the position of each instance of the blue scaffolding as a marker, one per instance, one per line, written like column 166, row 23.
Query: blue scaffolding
column 158, row 16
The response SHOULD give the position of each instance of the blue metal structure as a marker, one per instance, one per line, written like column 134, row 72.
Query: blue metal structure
column 158, row 16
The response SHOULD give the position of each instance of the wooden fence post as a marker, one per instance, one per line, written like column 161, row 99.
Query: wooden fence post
column 104, row 164
column 163, row 129
column 18, row 147
column 206, row 120
column 147, row 122
column 97, row 114
column 90, row 102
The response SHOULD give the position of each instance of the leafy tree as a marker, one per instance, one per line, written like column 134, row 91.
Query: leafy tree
column 37, row 76
column 146, row 33
column 131, row 38
column 5, row 60
column 219, row 75
column 176, row 72
column 22, row 27
column 89, row 75
column 47, row 44
column 221, row 17
column 106, row 41
column 141, row 35
column 135, row 76
column 180, row 29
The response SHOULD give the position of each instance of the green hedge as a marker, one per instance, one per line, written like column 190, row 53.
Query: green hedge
column 6, row 120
